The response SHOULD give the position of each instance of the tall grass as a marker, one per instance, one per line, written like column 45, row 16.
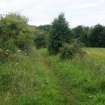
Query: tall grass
column 40, row 79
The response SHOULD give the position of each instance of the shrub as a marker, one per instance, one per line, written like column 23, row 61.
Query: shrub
column 14, row 30
column 24, row 42
column 68, row 51
column 40, row 40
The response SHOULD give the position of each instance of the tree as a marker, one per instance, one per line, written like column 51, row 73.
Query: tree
column 14, row 33
column 77, row 31
column 45, row 28
column 60, row 34
column 97, row 36
column 81, row 33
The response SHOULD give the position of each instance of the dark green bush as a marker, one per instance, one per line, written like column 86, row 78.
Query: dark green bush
column 40, row 40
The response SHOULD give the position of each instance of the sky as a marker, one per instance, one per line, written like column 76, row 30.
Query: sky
column 40, row 12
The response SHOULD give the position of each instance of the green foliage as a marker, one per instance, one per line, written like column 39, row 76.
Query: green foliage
column 90, row 36
column 14, row 32
column 81, row 33
column 97, row 36
column 40, row 79
column 60, row 34
column 45, row 28
column 5, row 82
column 40, row 40
column 77, row 31
column 68, row 51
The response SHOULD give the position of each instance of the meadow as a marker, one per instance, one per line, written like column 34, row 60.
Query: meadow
column 41, row 79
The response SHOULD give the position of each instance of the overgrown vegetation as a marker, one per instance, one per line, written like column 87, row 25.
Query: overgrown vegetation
column 43, row 79
column 68, row 51
column 15, row 34
column 56, row 70
column 41, row 40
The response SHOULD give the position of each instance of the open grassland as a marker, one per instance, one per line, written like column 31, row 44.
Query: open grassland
column 96, row 53
column 40, row 79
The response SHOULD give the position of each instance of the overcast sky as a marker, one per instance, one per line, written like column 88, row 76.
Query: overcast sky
column 39, row 12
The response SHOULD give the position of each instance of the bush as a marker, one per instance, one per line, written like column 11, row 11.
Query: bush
column 68, row 51
column 14, row 30
column 24, row 42
column 40, row 41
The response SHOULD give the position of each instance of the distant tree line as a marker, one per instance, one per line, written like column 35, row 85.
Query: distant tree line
column 88, row 36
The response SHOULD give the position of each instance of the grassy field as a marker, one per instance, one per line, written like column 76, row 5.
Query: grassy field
column 40, row 79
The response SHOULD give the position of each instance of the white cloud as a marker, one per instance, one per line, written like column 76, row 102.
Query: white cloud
column 85, row 12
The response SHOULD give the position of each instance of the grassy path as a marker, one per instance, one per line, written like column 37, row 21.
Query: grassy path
column 40, row 79
column 65, row 94
column 81, row 80
column 50, row 69
column 31, row 83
